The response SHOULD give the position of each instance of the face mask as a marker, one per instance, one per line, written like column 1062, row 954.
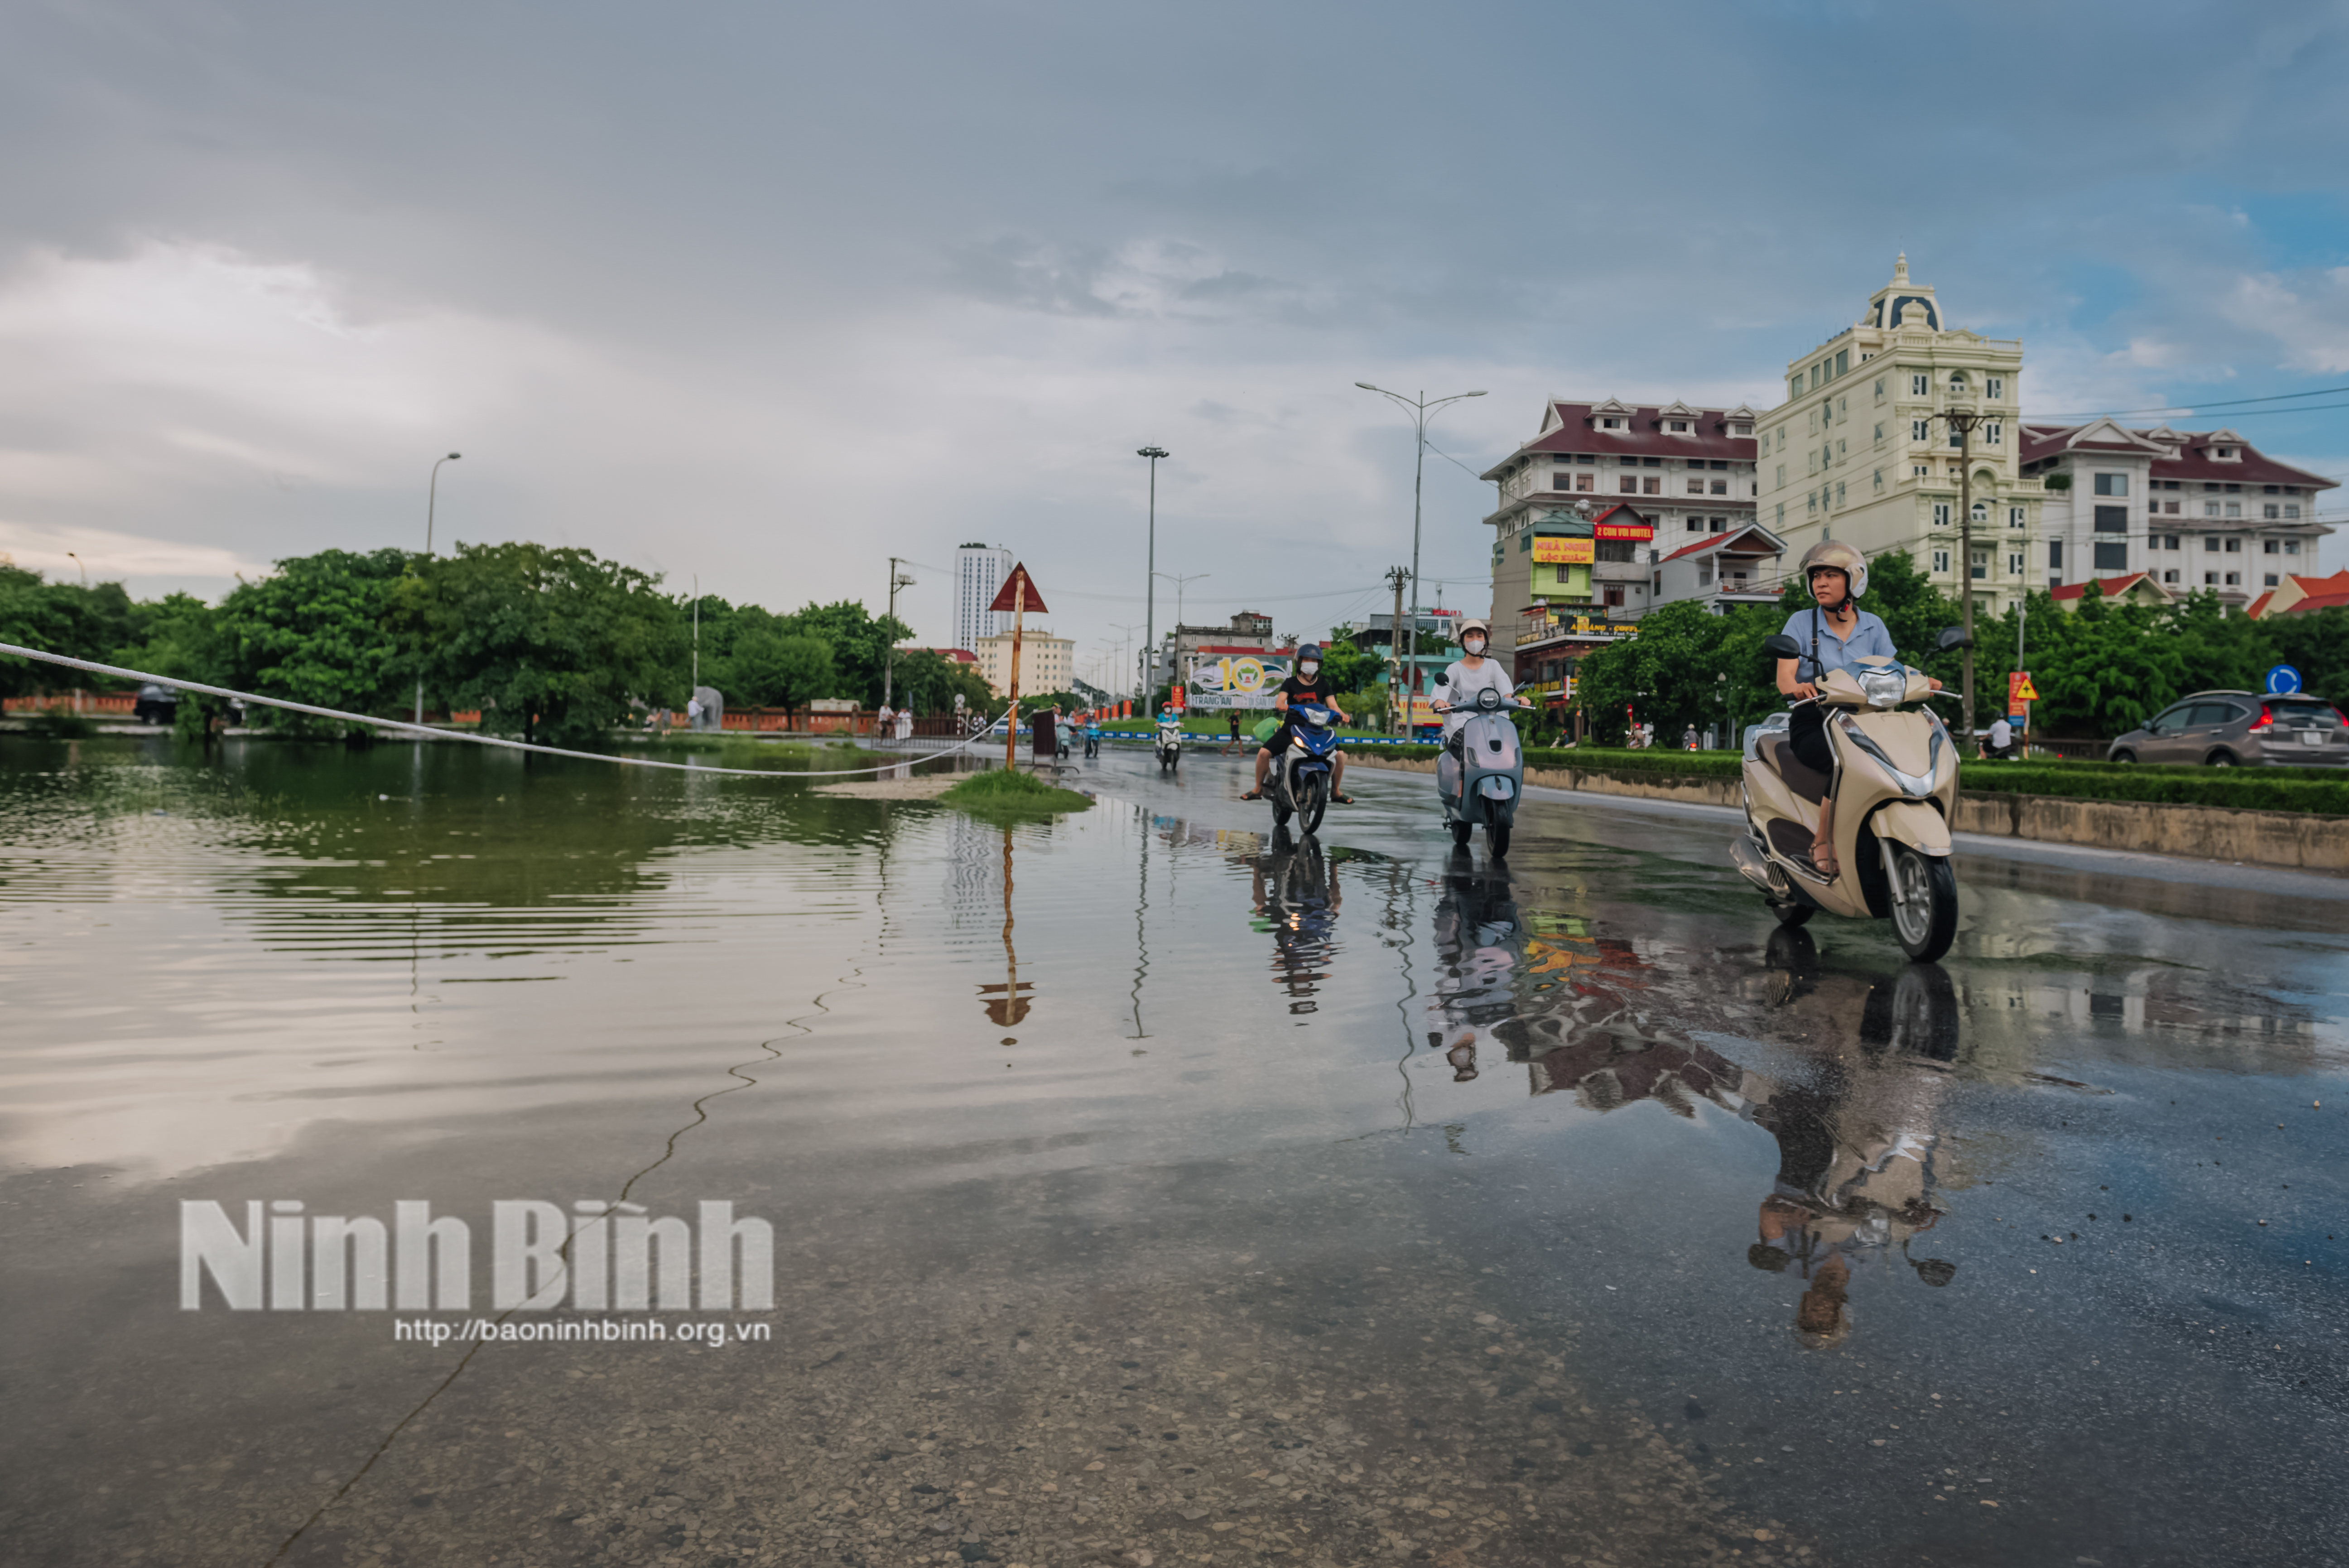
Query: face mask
column 1474, row 645
column 1310, row 668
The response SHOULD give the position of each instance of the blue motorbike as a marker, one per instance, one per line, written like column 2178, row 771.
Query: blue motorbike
column 1299, row 785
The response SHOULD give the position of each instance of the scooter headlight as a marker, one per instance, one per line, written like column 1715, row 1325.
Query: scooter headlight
column 1884, row 689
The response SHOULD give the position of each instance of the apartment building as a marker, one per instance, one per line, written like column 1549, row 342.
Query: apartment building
column 980, row 571
column 1047, row 663
column 2193, row 511
column 1863, row 448
column 1615, row 487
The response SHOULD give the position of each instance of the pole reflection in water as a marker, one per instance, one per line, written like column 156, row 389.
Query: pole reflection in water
column 1856, row 1122
column 1008, row 1002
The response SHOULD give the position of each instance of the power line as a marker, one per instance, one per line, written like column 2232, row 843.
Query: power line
column 2204, row 408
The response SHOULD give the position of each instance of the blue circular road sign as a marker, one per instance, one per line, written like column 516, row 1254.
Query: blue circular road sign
column 2282, row 681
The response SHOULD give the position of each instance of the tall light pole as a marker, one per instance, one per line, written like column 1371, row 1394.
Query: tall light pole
column 432, row 505
column 1150, row 610
column 1179, row 580
column 78, row 560
column 889, row 661
column 1962, row 423
column 1421, row 410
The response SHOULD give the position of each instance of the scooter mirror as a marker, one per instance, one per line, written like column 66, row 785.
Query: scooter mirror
column 1443, row 678
column 1952, row 637
column 1779, row 645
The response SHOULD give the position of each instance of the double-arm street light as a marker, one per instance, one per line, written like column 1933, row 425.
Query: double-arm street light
column 1421, row 408
column 1150, row 610
column 898, row 578
column 431, row 504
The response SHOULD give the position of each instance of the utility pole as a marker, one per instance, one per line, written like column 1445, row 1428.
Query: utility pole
column 431, row 503
column 1964, row 422
column 889, row 661
column 1421, row 410
column 1396, row 576
column 1150, row 597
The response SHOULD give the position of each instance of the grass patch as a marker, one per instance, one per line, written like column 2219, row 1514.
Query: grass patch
column 1008, row 793
column 55, row 724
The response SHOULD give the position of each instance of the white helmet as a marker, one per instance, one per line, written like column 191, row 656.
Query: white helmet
column 1480, row 628
column 1843, row 558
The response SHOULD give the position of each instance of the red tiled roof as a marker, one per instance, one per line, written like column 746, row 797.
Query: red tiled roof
column 1642, row 435
column 2258, row 605
column 960, row 655
column 2113, row 586
column 2315, row 601
column 1714, row 541
column 2193, row 462
column 1250, row 648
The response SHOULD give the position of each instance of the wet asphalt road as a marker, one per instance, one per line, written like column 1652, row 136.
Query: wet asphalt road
column 1142, row 1186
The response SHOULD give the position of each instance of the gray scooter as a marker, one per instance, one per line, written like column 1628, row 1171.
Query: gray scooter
column 1490, row 765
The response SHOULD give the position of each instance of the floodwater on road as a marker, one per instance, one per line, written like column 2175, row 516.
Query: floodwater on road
column 1142, row 1190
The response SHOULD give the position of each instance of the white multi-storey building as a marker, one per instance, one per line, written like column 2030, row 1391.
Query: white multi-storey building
column 2195, row 511
column 1862, row 449
column 980, row 571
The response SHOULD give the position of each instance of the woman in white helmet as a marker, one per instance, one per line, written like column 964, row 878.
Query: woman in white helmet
column 1834, row 632
column 1470, row 673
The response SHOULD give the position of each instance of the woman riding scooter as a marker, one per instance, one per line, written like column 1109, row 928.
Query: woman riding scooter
column 1470, row 673
column 1836, row 631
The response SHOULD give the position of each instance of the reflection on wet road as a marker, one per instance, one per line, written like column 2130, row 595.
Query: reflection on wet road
column 1147, row 1183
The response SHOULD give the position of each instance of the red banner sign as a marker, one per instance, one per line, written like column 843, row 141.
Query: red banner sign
column 1624, row 531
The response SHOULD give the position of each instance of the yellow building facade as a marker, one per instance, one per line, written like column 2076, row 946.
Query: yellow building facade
column 1862, row 450
column 1047, row 663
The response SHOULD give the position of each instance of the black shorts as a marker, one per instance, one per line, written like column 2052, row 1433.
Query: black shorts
column 1806, row 734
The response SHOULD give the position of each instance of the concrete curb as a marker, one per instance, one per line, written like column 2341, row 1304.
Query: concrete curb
column 2288, row 839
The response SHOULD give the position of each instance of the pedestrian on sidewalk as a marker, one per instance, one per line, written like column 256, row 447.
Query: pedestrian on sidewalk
column 1232, row 718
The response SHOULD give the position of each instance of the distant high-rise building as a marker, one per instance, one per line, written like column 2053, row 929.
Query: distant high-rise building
column 980, row 571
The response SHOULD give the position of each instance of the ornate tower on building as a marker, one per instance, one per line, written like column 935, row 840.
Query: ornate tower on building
column 1863, row 448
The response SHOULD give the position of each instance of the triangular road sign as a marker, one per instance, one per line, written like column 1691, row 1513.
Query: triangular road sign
column 2019, row 687
column 1006, row 596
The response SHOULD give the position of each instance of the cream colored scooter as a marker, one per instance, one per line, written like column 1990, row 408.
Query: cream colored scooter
column 1895, row 787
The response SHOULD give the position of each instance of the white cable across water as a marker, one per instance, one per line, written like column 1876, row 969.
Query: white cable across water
column 477, row 739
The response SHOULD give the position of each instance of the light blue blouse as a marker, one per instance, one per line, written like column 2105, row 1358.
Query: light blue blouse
column 1868, row 636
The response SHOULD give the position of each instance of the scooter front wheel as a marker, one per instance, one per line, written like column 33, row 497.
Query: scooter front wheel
column 1924, row 904
column 1496, row 838
column 1460, row 831
column 1315, row 802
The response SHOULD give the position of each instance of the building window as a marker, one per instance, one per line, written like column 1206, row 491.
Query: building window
column 1720, row 486
column 2014, row 517
column 1558, row 482
column 1843, row 361
column 1879, row 388
column 1782, row 512
column 1940, row 514
column 1630, row 486
column 1940, row 563
column 2272, row 580
column 2234, row 579
column 2271, row 511
column 2234, row 509
column 2234, row 545
column 2171, row 508
column 2169, row 542
column 1608, row 424
column 2291, row 547
column 1696, row 525
column 1919, row 431
column 1653, row 462
column 1879, row 481
column 2111, row 557
column 1957, row 383
column 1957, row 437
column 2170, row 576
column 1627, row 462
column 1919, row 471
column 1993, row 433
column 2112, row 484
column 1586, row 481
column 1994, row 388
column 1677, row 427
column 1921, row 385
column 1653, row 487
column 2267, row 546
column 1794, row 388
column 1981, row 513
column 1838, row 493
column 2112, row 520
column 2291, row 511
column 1814, row 499
column 1614, row 600
column 1719, row 525
column 1981, row 565
column 2210, row 508
column 2210, row 580
column 2056, row 555
column 2210, row 543
column 1696, row 487
column 2014, row 563
column 1782, row 481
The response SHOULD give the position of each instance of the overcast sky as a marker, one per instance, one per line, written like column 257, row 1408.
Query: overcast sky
column 769, row 293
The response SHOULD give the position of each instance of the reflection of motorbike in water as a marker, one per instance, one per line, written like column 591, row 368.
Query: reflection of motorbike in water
column 1296, row 897
column 1859, row 1156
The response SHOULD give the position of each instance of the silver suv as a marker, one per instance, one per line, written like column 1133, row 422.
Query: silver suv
column 2232, row 729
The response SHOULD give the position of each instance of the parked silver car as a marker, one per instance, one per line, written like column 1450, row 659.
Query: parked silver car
column 2240, row 729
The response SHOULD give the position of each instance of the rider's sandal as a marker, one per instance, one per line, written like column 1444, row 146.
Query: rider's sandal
column 1827, row 872
column 1342, row 799
column 1253, row 795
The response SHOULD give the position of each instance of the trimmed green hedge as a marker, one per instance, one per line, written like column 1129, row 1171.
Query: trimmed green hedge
column 2242, row 788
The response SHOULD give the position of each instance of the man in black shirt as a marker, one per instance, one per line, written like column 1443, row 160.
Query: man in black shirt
column 1306, row 684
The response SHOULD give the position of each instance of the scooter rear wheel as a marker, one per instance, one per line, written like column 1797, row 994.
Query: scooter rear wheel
column 1790, row 913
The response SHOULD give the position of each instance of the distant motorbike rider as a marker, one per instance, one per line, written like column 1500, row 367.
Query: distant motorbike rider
column 1470, row 673
column 1308, row 683
column 1836, row 632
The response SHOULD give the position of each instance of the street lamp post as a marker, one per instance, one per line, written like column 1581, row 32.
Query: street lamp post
column 78, row 560
column 432, row 505
column 1150, row 611
column 1179, row 580
column 1420, row 409
column 1962, row 423
column 889, row 661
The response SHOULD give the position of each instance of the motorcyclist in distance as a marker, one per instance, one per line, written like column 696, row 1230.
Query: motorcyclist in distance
column 1842, row 632
column 1470, row 673
column 1308, row 683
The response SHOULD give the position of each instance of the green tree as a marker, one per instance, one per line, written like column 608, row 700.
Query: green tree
column 2104, row 667
column 66, row 618
column 859, row 644
column 774, row 670
column 317, row 631
column 1349, row 668
column 928, row 682
column 556, row 644
column 2317, row 645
